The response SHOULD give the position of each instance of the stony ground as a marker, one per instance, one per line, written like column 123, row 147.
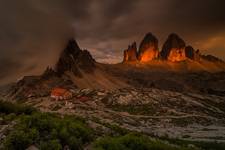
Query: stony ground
column 152, row 111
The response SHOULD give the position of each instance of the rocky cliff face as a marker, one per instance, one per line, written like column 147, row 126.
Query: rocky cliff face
column 72, row 59
column 192, row 54
column 130, row 54
column 173, row 49
column 75, row 60
column 48, row 73
column 148, row 49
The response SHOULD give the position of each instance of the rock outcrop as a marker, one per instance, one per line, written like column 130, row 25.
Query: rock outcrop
column 148, row 49
column 130, row 54
column 75, row 60
column 192, row 54
column 173, row 49
column 212, row 58
column 48, row 73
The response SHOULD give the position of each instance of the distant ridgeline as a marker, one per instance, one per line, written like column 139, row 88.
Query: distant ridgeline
column 173, row 50
column 76, row 68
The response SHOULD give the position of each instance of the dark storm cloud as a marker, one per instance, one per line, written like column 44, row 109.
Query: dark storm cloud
column 33, row 32
column 8, row 64
column 201, row 11
column 197, row 21
column 192, row 15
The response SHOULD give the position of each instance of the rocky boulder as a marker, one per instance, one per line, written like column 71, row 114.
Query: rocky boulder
column 173, row 49
column 148, row 49
column 75, row 60
column 130, row 54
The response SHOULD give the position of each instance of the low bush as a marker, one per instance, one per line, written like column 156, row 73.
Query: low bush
column 20, row 139
column 48, row 131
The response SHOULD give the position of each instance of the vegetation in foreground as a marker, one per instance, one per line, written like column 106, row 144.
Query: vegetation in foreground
column 134, row 142
column 45, row 131
column 53, row 132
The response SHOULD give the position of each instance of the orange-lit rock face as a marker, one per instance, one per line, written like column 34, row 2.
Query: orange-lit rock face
column 125, row 56
column 148, row 49
column 173, row 49
column 148, row 55
column 131, row 53
column 177, row 55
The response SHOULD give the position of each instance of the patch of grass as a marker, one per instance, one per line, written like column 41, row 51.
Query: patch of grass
column 204, row 145
column 135, row 109
column 9, row 117
column 8, row 108
column 134, row 142
column 117, row 129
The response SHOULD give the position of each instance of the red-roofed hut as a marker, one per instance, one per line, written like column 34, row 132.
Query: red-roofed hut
column 61, row 94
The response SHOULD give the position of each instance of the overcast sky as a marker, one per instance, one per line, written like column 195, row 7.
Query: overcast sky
column 33, row 32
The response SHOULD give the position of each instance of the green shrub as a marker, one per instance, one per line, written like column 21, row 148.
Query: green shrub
column 21, row 139
column 74, row 143
column 44, row 129
column 9, row 117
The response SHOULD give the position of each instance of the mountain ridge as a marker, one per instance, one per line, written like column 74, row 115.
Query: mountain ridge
column 174, row 49
column 143, row 67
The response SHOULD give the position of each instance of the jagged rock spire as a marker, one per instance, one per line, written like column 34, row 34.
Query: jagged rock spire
column 49, row 72
column 148, row 49
column 130, row 54
column 191, row 53
column 75, row 60
column 173, row 49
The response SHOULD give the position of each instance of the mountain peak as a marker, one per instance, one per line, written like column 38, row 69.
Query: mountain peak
column 74, row 59
column 49, row 72
column 175, row 41
column 173, row 49
column 72, row 46
column 148, row 49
